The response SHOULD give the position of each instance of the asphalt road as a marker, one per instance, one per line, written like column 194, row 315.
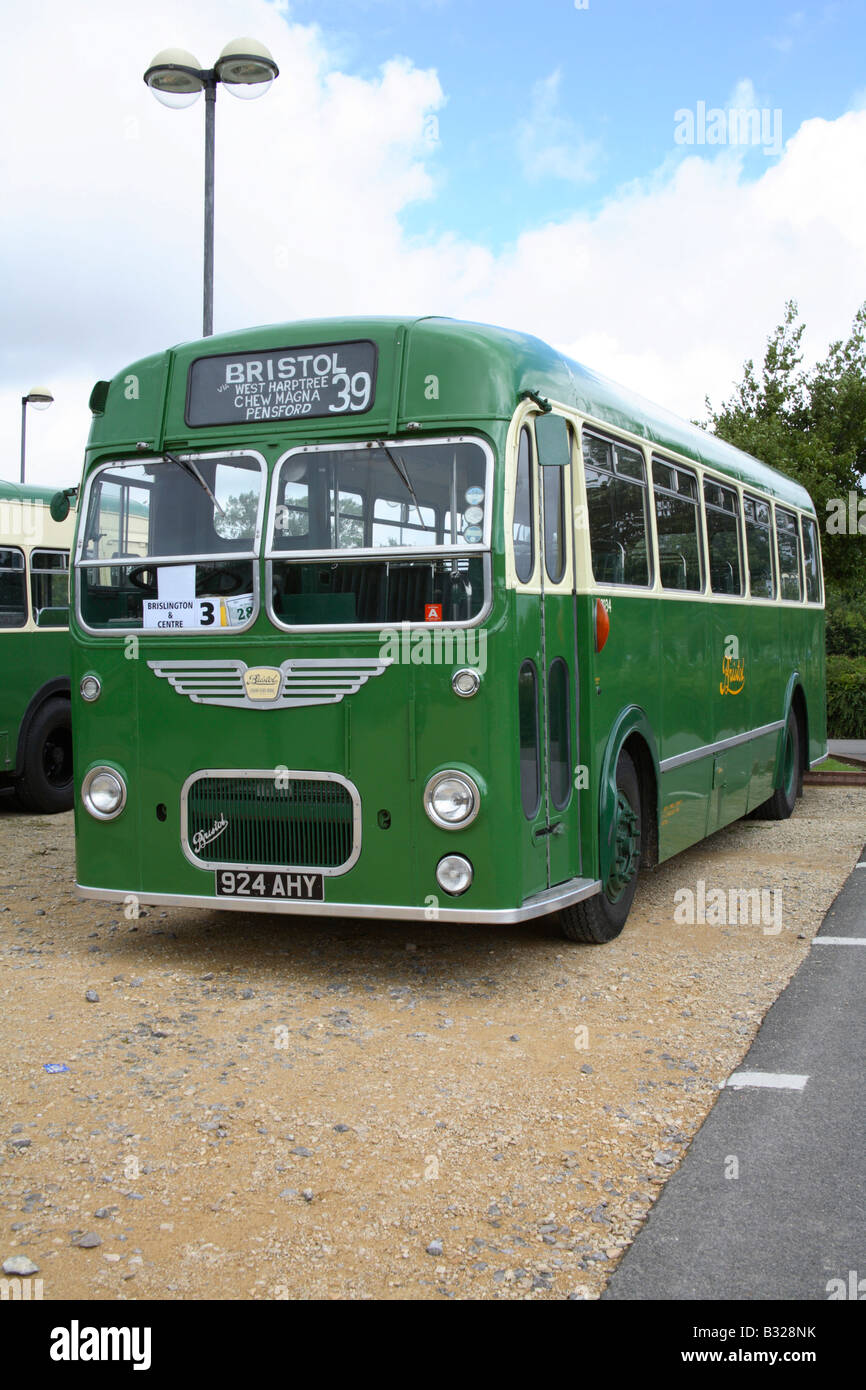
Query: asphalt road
column 770, row 1200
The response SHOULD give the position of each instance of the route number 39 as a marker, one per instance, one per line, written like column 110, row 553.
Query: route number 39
column 354, row 391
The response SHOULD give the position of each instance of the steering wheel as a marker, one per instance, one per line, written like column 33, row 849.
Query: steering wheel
column 138, row 578
column 218, row 581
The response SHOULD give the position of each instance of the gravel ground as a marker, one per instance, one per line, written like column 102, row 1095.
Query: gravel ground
column 260, row 1107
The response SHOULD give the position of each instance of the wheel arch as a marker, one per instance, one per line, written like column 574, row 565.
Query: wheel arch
column 57, row 686
column 632, row 733
column 795, row 699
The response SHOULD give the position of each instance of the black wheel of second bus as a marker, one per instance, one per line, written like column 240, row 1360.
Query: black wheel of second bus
column 781, row 804
column 45, row 785
column 602, row 917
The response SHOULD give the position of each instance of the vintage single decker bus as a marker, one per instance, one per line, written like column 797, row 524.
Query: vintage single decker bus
column 420, row 620
column 35, row 732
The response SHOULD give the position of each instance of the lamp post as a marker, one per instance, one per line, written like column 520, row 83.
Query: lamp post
column 40, row 398
column 246, row 69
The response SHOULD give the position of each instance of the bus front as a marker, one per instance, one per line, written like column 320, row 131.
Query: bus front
column 289, row 633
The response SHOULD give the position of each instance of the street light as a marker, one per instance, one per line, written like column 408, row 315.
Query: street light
column 176, row 78
column 40, row 398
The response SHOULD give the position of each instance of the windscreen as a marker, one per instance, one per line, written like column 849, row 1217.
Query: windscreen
column 350, row 527
column 199, row 509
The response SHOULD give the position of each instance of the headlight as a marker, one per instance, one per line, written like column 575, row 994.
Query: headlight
column 451, row 800
column 91, row 688
column 104, row 793
column 454, row 874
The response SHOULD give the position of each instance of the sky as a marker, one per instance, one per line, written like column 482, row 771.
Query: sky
column 585, row 170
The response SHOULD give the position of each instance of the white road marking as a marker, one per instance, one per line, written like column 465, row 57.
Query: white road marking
column 774, row 1080
column 839, row 940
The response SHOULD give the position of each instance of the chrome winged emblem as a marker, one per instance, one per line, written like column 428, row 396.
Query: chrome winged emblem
column 295, row 682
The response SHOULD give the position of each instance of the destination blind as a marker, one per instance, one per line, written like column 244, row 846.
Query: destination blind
column 326, row 379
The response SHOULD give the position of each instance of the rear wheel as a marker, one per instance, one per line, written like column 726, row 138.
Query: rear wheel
column 780, row 805
column 46, row 783
column 602, row 917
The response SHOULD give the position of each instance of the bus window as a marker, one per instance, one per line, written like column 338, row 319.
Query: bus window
column 530, row 760
column 675, row 493
column 13, row 591
column 49, row 579
column 522, row 529
column 759, row 547
column 723, row 535
column 559, row 716
column 812, row 562
column 158, row 509
column 789, row 556
column 361, row 533
column 616, row 499
column 553, row 483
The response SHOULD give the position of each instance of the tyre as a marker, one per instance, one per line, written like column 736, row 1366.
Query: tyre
column 780, row 805
column 45, row 785
column 602, row 917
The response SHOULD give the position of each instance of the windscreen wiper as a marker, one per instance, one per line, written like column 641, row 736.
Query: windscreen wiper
column 403, row 474
column 194, row 472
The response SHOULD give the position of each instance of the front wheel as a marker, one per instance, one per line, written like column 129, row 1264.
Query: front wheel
column 45, row 784
column 602, row 917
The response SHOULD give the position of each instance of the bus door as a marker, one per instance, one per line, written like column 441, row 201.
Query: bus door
column 557, row 826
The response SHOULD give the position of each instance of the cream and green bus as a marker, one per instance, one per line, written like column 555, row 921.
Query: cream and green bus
column 35, row 733
column 418, row 619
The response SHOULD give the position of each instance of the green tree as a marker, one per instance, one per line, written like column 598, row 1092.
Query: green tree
column 810, row 425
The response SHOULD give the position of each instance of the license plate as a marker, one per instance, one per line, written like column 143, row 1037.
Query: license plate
column 276, row 884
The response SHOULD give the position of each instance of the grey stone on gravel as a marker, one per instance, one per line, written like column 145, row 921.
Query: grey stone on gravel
column 89, row 1241
column 663, row 1158
column 435, row 1247
column 91, row 996
column 19, row 1264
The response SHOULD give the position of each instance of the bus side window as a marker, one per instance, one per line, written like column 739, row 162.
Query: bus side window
column 553, row 485
column 810, row 556
column 759, row 548
column 13, row 590
column 681, row 560
column 530, row 758
column 523, row 535
column 49, row 579
column 723, row 534
column 617, row 506
column 789, row 556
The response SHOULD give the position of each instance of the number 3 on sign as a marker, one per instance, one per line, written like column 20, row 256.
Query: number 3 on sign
column 354, row 391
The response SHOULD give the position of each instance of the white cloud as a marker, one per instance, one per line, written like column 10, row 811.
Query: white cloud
column 667, row 287
column 551, row 146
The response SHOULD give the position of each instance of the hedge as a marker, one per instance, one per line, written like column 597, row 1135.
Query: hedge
column 846, row 697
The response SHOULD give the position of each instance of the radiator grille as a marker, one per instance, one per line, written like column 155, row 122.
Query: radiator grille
column 295, row 822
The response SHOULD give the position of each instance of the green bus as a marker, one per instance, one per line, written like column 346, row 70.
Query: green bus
column 35, row 725
column 421, row 620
